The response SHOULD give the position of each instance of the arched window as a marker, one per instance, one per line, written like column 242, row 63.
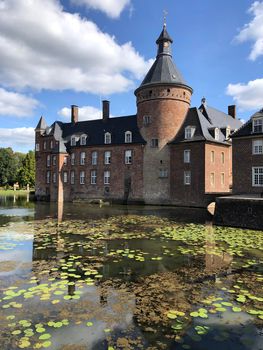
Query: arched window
column 107, row 138
column 128, row 137
column 73, row 141
column 83, row 139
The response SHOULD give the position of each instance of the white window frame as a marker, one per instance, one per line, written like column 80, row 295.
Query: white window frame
column 48, row 177
column 128, row 137
column 94, row 158
column 72, row 177
column 37, row 147
column 228, row 132
column 83, row 140
column 258, row 125
column 48, row 159
column 187, row 177
column 257, row 176
column 73, row 141
column 65, row 177
column 216, row 134
column 72, row 158
column 189, row 132
column 257, row 146
column 82, row 158
column 82, row 177
column 154, row 143
column 106, row 177
column 107, row 157
column 128, row 156
column 93, row 177
column 107, row 138
column 187, row 156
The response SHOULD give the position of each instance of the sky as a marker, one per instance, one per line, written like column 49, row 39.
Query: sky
column 56, row 53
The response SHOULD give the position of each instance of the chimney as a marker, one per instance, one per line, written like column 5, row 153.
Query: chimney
column 105, row 110
column 232, row 111
column 74, row 114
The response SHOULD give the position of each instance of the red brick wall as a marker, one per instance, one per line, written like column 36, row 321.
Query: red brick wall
column 243, row 161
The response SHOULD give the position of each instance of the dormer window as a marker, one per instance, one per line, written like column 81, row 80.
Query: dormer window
column 228, row 131
column 107, row 138
column 216, row 134
column 189, row 132
column 73, row 141
column 128, row 137
column 83, row 140
column 258, row 125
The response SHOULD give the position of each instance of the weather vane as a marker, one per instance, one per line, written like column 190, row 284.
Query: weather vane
column 165, row 13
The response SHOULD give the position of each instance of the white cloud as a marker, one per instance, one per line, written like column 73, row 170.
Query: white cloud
column 253, row 31
column 247, row 96
column 15, row 104
column 44, row 47
column 85, row 113
column 20, row 139
column 112, row 8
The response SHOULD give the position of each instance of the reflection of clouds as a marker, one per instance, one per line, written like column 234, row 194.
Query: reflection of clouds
column 17, row 212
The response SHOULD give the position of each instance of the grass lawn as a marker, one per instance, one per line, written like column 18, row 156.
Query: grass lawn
column 12, row 192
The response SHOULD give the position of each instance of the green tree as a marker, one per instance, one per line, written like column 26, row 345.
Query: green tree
column 8, row 166
column 26, row 173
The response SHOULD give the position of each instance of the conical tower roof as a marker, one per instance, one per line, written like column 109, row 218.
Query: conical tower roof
column 42, row 125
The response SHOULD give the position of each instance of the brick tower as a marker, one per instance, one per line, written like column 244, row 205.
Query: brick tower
column 163, row 100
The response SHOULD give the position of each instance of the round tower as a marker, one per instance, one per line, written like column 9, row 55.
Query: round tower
column 163, row 100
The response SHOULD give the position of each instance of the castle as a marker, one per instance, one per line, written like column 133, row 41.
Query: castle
column 168, row 153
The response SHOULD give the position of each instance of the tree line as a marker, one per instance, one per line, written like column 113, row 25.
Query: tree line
column 16, row 167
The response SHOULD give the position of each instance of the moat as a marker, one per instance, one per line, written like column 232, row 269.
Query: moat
column 84, row 277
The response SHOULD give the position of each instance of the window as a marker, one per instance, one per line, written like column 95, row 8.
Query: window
column 187, row 155
column 128, row 157
column 54, row 178
column 222, row 179
column 257, row 176
column 222, row 157
column 93, row 177
column 212, row 156
column 48, row 160
column 72, row 177
column 258, row 125
column 216, row 134
column 257, row 146
column 107, row 157
column 65, row 177
column 72, row 159
column 82, row 158
column 128, row 137
column 37, row 147
column 54, row 160
column 65, row 160
column 51, row 144
column 48, row 177
column 154, row 143
column 106, row 177
column 228, row 131
column 187, row 177
column 107, row 138
column 82, row 177
column 212, row 179
column 73, row 141
column 83, row 140
column 189, row 132
column 146, row 119
column 94, row 158
column 45, row 145
column 163, row 173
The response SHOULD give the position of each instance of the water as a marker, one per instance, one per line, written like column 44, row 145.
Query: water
column 83, row 277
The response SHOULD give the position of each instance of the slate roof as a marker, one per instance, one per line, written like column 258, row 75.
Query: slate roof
column 95, row 130
column 41, row 124
column 205, row 119
column 246, row 129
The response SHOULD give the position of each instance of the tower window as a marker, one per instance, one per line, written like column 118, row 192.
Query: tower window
column 146, row 119
column 154, row 143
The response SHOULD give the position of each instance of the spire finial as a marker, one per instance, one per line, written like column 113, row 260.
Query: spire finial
column 165, row 13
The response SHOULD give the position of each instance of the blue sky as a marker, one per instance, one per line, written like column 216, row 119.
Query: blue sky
column 55, row 53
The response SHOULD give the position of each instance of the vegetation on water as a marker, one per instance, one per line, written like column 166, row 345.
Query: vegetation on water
column 16, row 167
column 178, row 282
